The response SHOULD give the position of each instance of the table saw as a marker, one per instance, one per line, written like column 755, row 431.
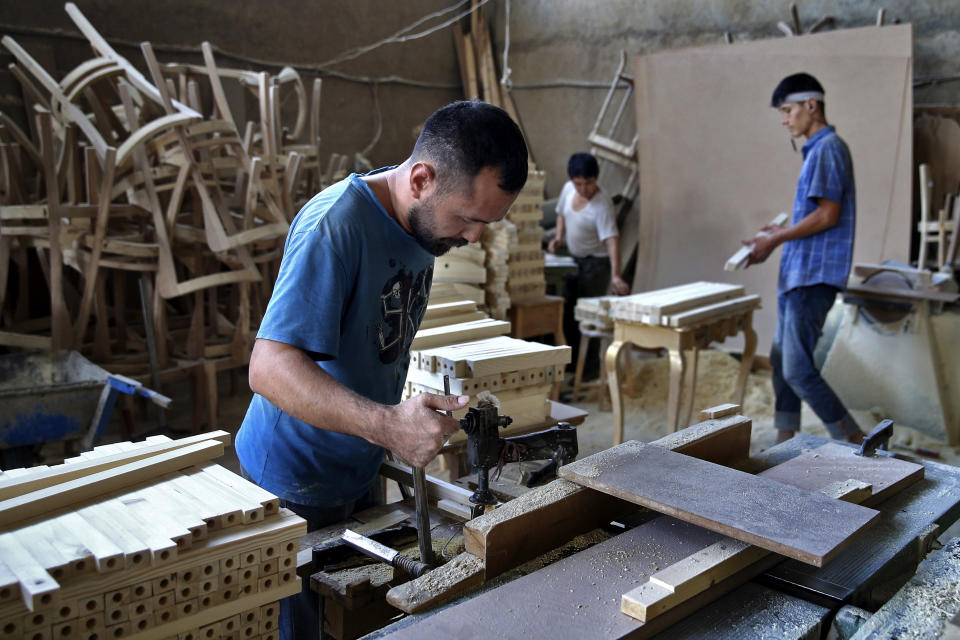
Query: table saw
column 558, row 561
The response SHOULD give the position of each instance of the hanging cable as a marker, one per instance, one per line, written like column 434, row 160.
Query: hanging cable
column 505, row 80
column 402, row 36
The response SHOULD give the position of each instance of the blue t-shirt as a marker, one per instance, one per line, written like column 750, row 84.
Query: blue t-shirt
column 825, row 257
column 351, row 292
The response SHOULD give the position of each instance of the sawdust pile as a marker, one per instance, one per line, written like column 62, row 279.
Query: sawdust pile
column 645, row 407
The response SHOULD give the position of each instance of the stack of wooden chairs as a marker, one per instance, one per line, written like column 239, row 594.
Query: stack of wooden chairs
column 124, row 183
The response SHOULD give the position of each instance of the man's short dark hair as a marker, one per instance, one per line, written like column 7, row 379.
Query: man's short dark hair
column 466, row 136
column 798, row 83
column 582, row 165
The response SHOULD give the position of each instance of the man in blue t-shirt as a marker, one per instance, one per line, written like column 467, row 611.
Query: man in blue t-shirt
column 331, row 355
column 817, row 253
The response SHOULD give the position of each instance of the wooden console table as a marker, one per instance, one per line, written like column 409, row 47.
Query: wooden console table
column 683, row 320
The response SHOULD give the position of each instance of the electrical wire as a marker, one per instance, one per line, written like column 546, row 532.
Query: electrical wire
column 505, row 80
column 402, row 36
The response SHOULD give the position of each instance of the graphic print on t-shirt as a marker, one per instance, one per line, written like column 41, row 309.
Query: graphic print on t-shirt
column 403, row 302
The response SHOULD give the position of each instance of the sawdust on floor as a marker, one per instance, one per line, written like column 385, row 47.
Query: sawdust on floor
column 645, row 408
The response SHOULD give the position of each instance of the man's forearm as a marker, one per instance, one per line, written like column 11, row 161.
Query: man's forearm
column 613, row 250
column 289, row 379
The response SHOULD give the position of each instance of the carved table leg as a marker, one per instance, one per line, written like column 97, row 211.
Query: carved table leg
column 746, row 362
column 613, row 381
column 678, row 366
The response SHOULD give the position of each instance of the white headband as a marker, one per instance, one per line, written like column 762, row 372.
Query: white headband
column 803, row 96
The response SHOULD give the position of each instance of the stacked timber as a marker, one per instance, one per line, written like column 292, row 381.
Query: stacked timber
column 498, row 240
column 594, row 313
column 526, row 279
column 463, row 265
column 147, row 539
column 518, row 372
column 684, row 305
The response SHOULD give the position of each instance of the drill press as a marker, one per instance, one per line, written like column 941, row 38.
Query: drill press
column 486, row 449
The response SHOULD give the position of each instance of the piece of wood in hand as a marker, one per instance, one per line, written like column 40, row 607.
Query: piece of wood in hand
column 834, row 462
column 790, row 521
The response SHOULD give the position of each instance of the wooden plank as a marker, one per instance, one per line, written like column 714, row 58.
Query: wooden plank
column 834, row 462
column 548, row 516
column 697, row 572
column 464, row 332
column 790, row 521
column 461, row 573
column 10, row 488
column 23, row 507
column 577, row 596
column 714, row 311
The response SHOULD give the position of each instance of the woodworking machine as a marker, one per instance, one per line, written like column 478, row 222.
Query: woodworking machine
column 487, row 450
column 892, row 314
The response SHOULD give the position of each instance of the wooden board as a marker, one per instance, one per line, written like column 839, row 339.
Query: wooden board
column 578, row 596
column 836, row 463
column 554, row 513
column 777, row 517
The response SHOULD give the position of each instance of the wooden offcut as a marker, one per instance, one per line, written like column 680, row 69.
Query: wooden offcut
column 834, row 462
column 790, row 521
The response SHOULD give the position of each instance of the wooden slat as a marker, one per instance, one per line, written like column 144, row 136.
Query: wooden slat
column 464, row 332
column 28, row 505
column 11, row 488
column 834, row 462
column 790, row 521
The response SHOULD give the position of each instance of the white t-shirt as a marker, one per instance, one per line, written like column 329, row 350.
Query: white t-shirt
column 587, row 229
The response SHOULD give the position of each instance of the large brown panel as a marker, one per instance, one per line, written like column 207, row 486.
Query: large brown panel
column 800, row 524
column 715, row 163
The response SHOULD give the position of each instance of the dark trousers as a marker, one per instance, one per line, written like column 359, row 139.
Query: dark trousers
column 590, row 280
column 300, row 613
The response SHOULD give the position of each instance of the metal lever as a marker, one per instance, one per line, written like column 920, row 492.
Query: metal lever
column 878, row 439
column 379, row 551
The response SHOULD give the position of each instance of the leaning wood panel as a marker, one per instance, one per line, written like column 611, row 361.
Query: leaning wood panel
column 796, row 523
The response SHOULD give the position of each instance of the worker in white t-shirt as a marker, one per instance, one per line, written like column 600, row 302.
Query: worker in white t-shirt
column 587, row 225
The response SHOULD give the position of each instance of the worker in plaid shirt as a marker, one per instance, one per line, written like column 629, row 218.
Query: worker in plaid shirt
column 817, row 253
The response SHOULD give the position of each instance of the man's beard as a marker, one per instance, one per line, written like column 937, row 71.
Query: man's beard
column 423, row 227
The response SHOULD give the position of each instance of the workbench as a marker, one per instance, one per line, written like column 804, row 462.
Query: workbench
column 786, row 600
column 683, row 320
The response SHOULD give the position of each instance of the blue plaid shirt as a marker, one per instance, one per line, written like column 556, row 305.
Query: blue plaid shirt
column 825, row 257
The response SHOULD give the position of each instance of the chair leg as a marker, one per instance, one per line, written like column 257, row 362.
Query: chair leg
column 581, row 359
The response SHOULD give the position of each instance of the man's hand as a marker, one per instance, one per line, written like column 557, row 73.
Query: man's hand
column 417, row 429
column 553, row 245
column 619, row 286
column 763, row 243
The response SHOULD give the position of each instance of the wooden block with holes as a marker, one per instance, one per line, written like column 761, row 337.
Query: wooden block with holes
column 193, row 589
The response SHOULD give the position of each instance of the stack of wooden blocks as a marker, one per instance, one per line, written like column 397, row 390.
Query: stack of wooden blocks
column 526, row 280
column 143, row 540
column 683, row 305
column 594, row 313
column 498, row 240
column 461, row 265
column 519, row 373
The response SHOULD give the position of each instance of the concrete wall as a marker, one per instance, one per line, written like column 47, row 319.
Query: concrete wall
column 551, row 42
column 580, row 40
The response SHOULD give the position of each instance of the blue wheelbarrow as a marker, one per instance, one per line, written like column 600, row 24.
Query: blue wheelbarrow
column 47, row 396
